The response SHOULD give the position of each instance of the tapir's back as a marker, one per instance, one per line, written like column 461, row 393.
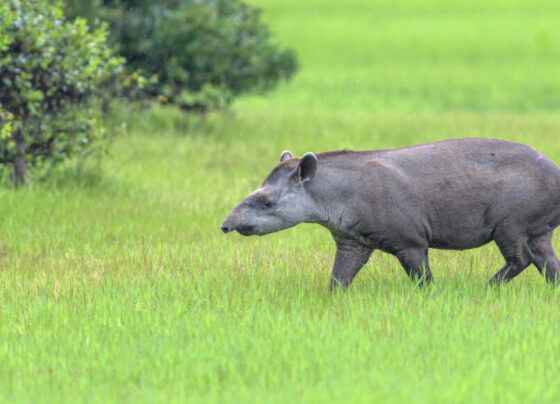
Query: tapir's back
column 476, row 165
column 458, row 163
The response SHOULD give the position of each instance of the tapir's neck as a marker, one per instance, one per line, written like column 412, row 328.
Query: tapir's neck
column 334, row 190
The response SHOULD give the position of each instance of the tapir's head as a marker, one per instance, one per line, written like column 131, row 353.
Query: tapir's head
column 281, row 202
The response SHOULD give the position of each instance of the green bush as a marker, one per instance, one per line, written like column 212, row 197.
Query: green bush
column 5, row 20
column 54, row 75
column 203, row 53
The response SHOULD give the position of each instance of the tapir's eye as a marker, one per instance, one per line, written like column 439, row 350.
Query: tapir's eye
column 268, row 205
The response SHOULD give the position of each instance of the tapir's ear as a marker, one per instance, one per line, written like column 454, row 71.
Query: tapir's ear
column 307, row 166
column 285, row 155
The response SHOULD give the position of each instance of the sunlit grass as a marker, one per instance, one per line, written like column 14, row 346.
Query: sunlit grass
column 120, row 284
column 116, row 283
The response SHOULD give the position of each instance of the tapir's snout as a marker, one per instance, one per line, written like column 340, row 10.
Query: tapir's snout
column 227, row 225
column 244, row 230
column 232, row 223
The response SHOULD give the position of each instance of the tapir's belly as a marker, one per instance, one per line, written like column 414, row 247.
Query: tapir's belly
column 461, row 241
column 465, row 234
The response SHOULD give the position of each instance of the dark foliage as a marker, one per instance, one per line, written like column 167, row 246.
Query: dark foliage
column 200, row 53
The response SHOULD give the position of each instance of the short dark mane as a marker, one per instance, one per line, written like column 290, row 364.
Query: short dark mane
column 336, row 153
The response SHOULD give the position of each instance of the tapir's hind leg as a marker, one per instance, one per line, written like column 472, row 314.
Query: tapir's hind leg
column 545, row 258
column 516, row 252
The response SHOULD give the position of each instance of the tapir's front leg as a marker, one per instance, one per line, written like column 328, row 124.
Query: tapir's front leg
column 350, row 258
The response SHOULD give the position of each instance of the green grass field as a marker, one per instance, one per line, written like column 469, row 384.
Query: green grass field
column 116, row 283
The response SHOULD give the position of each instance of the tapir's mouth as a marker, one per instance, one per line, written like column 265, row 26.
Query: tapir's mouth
column 246, row 230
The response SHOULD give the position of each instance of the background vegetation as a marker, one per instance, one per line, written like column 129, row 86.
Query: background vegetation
column 117, row 284
column 59, row 75
column 54, row 75
column 199, row 54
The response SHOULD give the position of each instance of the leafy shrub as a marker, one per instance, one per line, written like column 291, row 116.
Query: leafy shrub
column 5, row 20
column 53, row 74
column 202, row 52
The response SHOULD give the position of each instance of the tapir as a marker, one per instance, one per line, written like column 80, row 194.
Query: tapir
column 454, row 194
